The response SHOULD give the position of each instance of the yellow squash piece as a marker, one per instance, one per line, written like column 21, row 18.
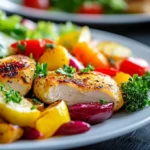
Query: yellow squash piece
column 9, row 133
column 55, row 58
column 20, row 114
column 121, row 77
column 71, row 39
column 52, row 118
column 114, row 50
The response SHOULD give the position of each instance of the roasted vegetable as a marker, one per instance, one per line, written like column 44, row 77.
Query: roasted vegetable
column 52, row 118
column 121, row 77
column 109, row 71
column 134, row 66
column 32, row 48
column 73, row 127
column 114, row 50
column 93, row 113
column 91, row 8
column 75, row 63
column 16, row 109
column 9, row 133
column 70, row 39
column 84, row 53
column 31, row 134
column 55, row 57
column 135, row 93
column 146, row 77
column 36, row 4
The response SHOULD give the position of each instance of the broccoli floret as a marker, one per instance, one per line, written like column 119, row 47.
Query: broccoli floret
column 146, row 77
column 135, row 93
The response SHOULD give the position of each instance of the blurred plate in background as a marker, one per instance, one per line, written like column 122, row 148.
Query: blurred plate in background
column 14, row 6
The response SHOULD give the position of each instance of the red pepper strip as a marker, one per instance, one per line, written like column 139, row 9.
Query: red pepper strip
column 109, row 71
column 134, row 66
column 32, row 47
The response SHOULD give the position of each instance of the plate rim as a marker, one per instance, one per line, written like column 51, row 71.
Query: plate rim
column 95, row 139
column 63, row 16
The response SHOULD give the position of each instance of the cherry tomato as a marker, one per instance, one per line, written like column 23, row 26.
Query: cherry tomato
column 91, row 8
column 134, row 66
column 109, row 71
column 39, row 4
column 34, row 48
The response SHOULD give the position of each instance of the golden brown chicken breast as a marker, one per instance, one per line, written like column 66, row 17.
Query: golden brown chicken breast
column 89, row 87
column 17, row 71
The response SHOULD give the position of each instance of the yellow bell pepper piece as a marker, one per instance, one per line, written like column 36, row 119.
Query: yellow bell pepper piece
column 55, row 58
column 71, row 39
column 20, row 114
column 121, row 77
column 52, row 118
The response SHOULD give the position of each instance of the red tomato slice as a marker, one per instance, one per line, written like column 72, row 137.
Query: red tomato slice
column 32, row 47
column 39, row 4
column 134, row 66
column 108, row 71
column 91, row 8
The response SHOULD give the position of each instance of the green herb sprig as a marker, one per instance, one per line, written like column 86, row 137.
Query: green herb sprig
column 21, row 46
column 103, row 102
column 66, row 70
column 35, row 100
column 50, row 46
column 10, row 94
column 33, row 107
column 87, row 69
column 41, row 70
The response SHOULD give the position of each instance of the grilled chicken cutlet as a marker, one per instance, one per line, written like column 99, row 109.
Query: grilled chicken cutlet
column 89, row 87
column 17, row 71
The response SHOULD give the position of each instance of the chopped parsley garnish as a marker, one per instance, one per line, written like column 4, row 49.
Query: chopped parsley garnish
column 35, row 100
column 103, row 102
column 10, row 94
column 87, row 69
column 66, row 70
column 41, row 70
column 33, row 107
column 21, row 46
column 50, row 46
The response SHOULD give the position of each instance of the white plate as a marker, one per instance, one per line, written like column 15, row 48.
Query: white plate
column 13, row 6
column 121, row 122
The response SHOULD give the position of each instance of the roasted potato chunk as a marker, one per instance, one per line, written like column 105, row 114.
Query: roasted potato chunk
column 9, row 133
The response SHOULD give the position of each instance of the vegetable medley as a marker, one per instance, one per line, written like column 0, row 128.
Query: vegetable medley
column 58, row 81
column 92, row 7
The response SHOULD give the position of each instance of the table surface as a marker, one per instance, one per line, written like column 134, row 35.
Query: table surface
column 139, row 139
